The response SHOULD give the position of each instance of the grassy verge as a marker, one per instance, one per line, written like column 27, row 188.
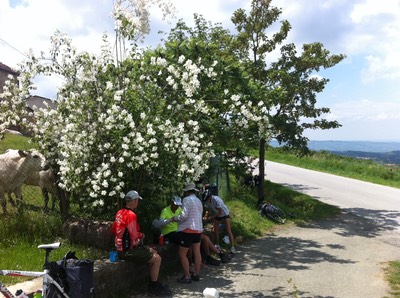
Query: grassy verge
column 22, row 233
column 365, row 170
column 393, row 277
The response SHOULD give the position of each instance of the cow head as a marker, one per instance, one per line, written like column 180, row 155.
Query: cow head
column 36, row 158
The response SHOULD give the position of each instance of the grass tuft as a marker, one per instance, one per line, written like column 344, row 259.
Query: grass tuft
column 393, row 277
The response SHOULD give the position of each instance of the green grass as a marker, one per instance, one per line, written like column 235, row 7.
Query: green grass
column 365, row 170
column 12, row 141
column 23, row 232
column 247, row 222
column 393, row 277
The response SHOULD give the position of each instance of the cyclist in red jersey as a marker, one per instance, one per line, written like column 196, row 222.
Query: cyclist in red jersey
column 129, row 243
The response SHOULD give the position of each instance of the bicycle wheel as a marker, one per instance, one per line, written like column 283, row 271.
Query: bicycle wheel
column 275, row 214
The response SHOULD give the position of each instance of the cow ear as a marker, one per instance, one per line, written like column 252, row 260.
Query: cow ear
column 21, row 153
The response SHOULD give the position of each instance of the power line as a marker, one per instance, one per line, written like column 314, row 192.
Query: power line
column 14, row 48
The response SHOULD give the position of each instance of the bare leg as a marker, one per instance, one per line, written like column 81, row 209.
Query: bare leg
column 183, row 257
column 205, row 245
column 229, row 231
column 197, row 257
column 216, row 232
column 206, row 241
column 154, row 267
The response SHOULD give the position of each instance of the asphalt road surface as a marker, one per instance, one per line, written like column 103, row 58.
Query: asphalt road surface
column 339, row 257
column 379, row 203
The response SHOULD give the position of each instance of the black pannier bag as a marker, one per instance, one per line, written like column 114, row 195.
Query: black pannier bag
column 74, row 275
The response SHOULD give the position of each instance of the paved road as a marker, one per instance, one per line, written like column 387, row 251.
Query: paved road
column 339, row 257
column 380, row 203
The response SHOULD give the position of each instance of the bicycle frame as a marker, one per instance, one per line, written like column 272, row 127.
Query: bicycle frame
column 47, row 279
column 272, row 212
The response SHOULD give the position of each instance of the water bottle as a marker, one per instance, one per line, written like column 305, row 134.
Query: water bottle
column 161, row 240
column 113, row 256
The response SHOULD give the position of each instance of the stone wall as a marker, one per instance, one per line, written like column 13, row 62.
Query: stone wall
column 95, row 233
column 110, row 277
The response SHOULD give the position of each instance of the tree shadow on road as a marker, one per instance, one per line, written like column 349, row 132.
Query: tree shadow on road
column 255, row 257
column 359, row 222
column 298, row 187
column 290, row 253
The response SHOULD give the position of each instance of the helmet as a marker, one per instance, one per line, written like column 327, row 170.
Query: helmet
column 206, row 194
column 177, row 200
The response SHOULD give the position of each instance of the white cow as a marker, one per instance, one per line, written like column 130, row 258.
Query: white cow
column 15, row 167
column 46, row 180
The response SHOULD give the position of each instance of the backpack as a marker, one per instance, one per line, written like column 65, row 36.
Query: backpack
column 75, row 277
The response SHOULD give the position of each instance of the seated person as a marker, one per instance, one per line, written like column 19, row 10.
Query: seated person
column 207, row 247
column 169, row 230
column 129, row 243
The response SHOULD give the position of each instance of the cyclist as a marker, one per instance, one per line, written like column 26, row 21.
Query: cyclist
column 129, row 243
column 221, row 213
column 190, row 228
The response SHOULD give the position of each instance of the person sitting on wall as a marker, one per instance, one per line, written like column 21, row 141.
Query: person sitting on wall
column 129, row 243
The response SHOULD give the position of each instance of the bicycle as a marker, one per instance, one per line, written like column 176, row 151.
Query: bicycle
column 272, row 212
column 51, row 287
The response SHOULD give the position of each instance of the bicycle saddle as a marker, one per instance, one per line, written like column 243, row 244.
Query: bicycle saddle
column 50, row 246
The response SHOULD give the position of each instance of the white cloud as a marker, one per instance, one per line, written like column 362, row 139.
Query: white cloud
column 367, row 31
column 365, row 27
column 366, row 110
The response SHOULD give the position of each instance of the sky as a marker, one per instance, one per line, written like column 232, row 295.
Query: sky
column 362, row 93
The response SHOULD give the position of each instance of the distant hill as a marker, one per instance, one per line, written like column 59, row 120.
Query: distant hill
column 385, row 152
column 392, row 157
column 362, row 146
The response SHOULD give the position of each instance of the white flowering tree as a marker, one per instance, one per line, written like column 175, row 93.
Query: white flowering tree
column 151, row 120
column 13, row 110
column 132, row 124
column 239, row 117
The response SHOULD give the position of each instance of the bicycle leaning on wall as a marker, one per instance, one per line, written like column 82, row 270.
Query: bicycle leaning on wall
column 61, row 279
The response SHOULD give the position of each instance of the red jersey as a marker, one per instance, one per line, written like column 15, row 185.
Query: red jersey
column 126, row 230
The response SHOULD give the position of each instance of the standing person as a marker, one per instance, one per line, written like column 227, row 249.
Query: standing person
column 221, row 213
column 169, row 230
column 190, row 228
column 129, row 243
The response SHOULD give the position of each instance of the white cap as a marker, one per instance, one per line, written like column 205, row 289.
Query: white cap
column 132, row 195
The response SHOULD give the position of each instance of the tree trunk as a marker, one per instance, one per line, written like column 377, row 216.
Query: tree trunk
column 261, row 168
column 64, row 203
column 228, row 183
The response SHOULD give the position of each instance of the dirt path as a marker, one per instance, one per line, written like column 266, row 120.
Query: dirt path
column 339, row 257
